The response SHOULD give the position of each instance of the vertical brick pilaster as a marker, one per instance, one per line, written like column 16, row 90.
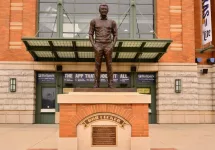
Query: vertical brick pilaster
column 16, row 14
column 176, row 25
column 163, row 19
column 175, row 20
column 12, row 16
column 188, row 30
column 29, row 17
column 198, row 24
column 4, row 26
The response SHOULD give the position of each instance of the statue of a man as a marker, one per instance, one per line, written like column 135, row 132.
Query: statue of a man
column 105, row 31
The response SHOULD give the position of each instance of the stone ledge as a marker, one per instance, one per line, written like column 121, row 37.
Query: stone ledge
column 198, row 117
column 195, row 112
column 17, row 118
column 104, row 98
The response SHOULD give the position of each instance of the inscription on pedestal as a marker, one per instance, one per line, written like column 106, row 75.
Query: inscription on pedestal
column 104, row 136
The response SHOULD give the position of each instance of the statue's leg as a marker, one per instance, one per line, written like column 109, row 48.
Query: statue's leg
column 98, row 63
column 108, row 58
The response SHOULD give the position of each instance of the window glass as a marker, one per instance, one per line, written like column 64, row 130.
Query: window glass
column 44, row 17
column 144, row 1
column 48, row 98
column 86, row 8
column 48, row 0
column 145, row 36
column 48, row 7
column 145, row 9
column 144, row 24
column 77, row 15
column 47, row 26
column 45, row 34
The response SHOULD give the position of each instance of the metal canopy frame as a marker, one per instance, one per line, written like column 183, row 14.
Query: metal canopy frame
column 80, row 50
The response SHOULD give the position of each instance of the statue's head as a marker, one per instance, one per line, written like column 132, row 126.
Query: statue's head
column 103, row 9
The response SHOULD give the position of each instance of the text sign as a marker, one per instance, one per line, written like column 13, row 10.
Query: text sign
column 46, row 77
column 206, row 22
column 89, row 77
column 99, row 117
column 144, row 90
column 146, row 78
column 104, row 136
column 68, row 77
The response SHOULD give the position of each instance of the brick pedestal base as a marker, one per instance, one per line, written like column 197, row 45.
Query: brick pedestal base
column 130, row 107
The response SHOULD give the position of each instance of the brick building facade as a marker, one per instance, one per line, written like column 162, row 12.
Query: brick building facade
column 178, row 20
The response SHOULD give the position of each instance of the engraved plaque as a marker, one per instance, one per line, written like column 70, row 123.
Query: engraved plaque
column 104, row 135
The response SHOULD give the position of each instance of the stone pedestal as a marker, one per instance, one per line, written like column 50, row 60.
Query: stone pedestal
column 103, row 120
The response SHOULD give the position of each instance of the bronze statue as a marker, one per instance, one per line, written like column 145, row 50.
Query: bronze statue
column 105, row 38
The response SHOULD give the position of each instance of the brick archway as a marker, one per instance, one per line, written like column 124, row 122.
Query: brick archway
column 72, row 114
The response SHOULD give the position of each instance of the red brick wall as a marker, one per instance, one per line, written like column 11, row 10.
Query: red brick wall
column 166, row 19
column 175, row 20
column 17, row 19
column 71, row 115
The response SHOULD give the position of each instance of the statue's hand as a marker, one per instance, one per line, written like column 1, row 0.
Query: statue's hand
column 94, row 46
column 112, row 46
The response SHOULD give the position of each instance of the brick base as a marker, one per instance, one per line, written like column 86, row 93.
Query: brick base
column 135, row 114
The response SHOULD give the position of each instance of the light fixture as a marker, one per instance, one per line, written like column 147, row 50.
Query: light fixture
column 211, row 60
column 204, row 71
column 177, row 85
column 198, row 60
column 133, row 68
column 126, row 30
column 12, row 84
column 59, row 68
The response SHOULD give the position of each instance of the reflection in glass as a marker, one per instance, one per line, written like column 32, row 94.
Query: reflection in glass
column 48, row 7
column 77, row 15
column 48, row 98
column 47, row 18
column 144, row 1
column 144, row 24
column 145, row 36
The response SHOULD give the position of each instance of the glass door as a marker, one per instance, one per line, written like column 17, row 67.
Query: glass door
column 46, row 104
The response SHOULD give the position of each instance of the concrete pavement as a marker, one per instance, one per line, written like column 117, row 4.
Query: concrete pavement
column 183, row 136
column 178, row 136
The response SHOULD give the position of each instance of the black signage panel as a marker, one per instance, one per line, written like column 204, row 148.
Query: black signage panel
column 46, row 77
column 89, row 77
column 146, row 77
column 68, row 77
column 124, row 78
column 84, row 77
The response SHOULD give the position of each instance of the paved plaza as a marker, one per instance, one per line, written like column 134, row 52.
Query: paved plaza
column 169, row 136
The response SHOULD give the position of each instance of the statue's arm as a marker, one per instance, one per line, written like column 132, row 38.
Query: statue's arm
column 91, row 40
column 91, row 32
column 114, row 32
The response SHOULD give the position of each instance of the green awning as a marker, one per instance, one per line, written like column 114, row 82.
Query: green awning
column 80, row 50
